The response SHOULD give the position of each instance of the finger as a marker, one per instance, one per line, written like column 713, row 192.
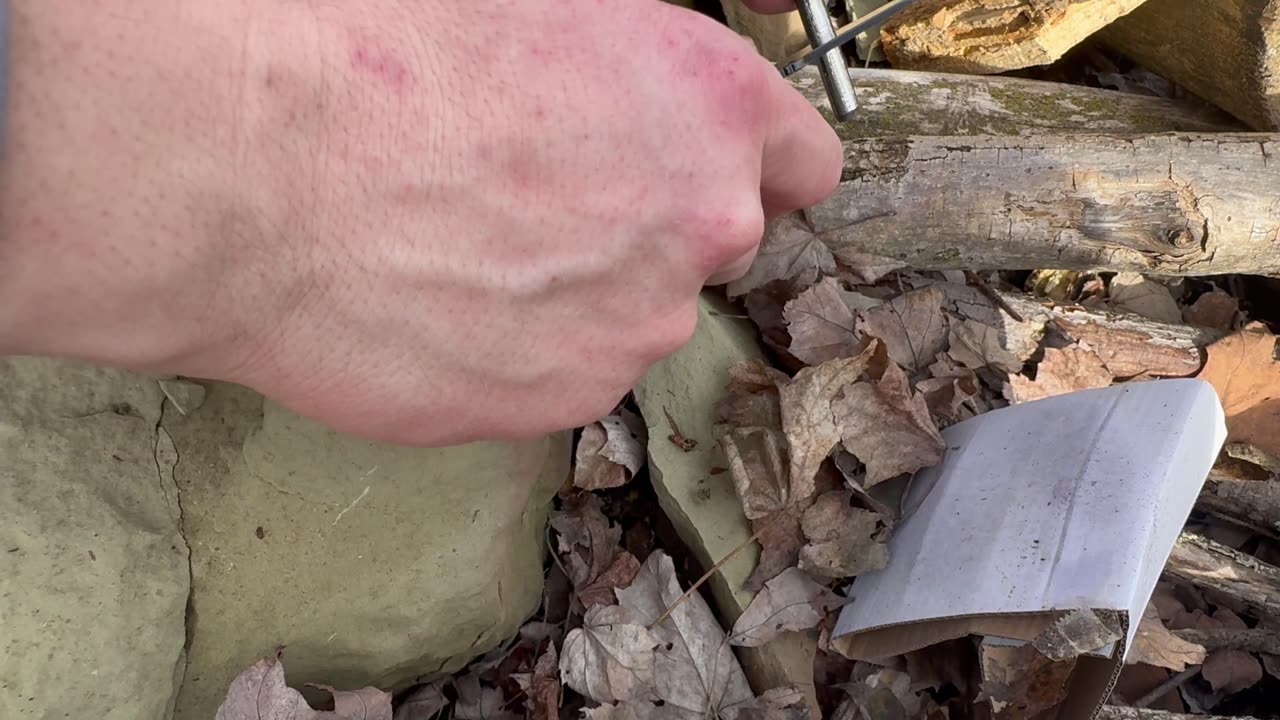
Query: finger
column 770, row 6
column 733, row 270
column 802, row 157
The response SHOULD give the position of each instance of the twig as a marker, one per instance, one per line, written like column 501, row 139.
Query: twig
column 1252, row 640
column 1163, row 688
column 992, row 295
column 1116, row 712
column 705, row 577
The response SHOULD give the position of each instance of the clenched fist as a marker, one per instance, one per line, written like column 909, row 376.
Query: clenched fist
column 420, row 221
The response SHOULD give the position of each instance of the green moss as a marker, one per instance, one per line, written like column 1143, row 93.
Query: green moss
column 947, row 255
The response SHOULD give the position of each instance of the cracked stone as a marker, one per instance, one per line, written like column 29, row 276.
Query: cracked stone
column 372, row 564
column 94, row 583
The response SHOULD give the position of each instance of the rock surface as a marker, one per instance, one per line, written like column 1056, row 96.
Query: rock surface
column 371, row 564
column 703, row 506
column 93, row 569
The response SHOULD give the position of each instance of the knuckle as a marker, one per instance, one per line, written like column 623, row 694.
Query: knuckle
column 723, row 237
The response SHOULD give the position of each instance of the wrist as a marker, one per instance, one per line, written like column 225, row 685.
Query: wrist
column 110, row 169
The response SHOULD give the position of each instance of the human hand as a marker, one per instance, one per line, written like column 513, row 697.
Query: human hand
column 427, row 223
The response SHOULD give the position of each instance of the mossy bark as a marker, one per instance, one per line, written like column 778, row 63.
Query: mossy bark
column 904, row 102
column 1171, row 204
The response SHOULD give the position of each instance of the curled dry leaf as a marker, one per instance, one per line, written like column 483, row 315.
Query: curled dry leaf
column 884, row 694
column 788, row 251
column 1155, row 645
column 611, row 657
column 1230, row 671
column 977, row 345
column 591, row 548
column 789, row 602
column 780, row 541
column 610, row 452
column 1020, row 683
column 912, row 327
column 808, row 416
column 841, row 538
column 946, row 395
column 1080, row 631
column 260, row 691
column 620, row 574
column 1062, row 370
column 1244, row 370
column 759, row 466
column 695, row 670
column 887, row 427
column 820, row 324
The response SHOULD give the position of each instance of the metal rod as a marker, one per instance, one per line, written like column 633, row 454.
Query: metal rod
column 849, row 32
column 834, row 69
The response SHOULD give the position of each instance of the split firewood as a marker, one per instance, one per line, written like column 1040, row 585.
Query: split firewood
column 974, row 36
column 906, row 102
column 1115, row 712
column 1226, row 51
column 1129, row 345
column 1218, row 568
column 1163, row 204
column 1251, row 640
column 1254, row 504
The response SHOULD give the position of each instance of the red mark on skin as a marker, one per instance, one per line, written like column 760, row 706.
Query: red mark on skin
column 370, row 58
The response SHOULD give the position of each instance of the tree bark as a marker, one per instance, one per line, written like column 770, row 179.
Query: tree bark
column 1219, row 568
column 905, row 102
column 1226, row 51
column 1254, row 504
column 1252, row 640
column 972, row 36
column 1115, row 712
column 1163, row 204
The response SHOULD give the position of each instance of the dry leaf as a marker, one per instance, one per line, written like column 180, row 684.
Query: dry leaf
column 887, row 428
column 1155, row 645
column 785, row 703
column 1230, row 671
column 841, row 538
column 1131, row 292
column 611, row 657
column 788, row 251
column 1243, row 368
column 620, row 574
column 1020, row 683
column 820, row 324
column 1062, row 371
column 946, row 395
column 789, row 602
column 808, row 420
column 1214, row 309
column 260, row 693
column 479, row 703
column 542, row 686
column 695, row 669
column 759, row 467
column 1272, row 664
column 780, row 541
column 912, row 327
column 977, row 345
column 610, row 452
column 587, row 538
column 884, row 694
column 425, row 703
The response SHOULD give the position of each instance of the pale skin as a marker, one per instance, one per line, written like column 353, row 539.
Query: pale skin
column 419, row 221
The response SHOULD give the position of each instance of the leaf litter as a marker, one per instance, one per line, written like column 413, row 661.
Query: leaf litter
column 819, row 447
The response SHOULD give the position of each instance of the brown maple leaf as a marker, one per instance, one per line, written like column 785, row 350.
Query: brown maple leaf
column 887, row 427
column 842, row 539
column 788, row 251
column 780, row 541
column 820, row 324
column 912, row 327
column 1243, row 368
column 1062, row 370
